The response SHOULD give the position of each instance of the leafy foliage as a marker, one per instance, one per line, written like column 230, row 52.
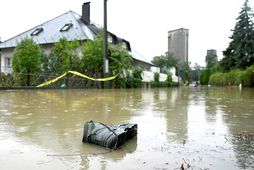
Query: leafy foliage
column 232, row 78
column 63, row 57
column 6, row 80
column 26, row 62
column 249, row 77
column 204, row 77
column 183, row 70
column 130, row 79
column 157, row 77
column 119, row 59
column 135, row 79
column 92, row 61
column 165, row 62
column 195, row 72
column 240, row 52
column 169, row 80
column 167, row 83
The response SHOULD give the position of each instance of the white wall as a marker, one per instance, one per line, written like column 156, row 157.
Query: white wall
column 6, row 53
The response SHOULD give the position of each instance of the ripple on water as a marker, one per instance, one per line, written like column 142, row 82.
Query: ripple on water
column 7, row 113
column 22, row 129
column 48, row 124
column 77, row 130
column 23, row 117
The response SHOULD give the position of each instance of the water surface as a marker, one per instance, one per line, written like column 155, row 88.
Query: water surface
column 199, row 127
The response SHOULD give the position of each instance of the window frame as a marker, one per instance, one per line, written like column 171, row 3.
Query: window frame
column 66, row 27
column 37, row 31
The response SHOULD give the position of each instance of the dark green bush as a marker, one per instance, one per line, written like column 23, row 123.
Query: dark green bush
column 169, row 80
column 132, row 79
column 204, row 77
column 6, row 80
column 249, row 77
column 167, row 83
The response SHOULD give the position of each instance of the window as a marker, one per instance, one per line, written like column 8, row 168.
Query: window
column 66, row 27
column 124, row 45
column 7, row 62
column 110, row 39
column 37, row 31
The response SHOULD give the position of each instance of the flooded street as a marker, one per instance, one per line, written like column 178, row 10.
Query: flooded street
column 200, row 128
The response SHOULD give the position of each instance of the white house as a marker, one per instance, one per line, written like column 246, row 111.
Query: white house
column 69, row 25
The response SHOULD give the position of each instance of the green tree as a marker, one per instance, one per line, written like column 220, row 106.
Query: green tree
column 26, row 62
column 63, row 57
column 165, row 62
column 183, row 70
column 204, row 76
column 195, row 72
column 92, row 61
column 211, row 60
column 240, row 52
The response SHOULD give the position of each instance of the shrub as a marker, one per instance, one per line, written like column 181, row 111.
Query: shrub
column 167, row 83
column 169, row 80
column 131, row 79
column 6, row 80
column 204, row 77
column 217, row 79
column 232, row 78
column 249, row 77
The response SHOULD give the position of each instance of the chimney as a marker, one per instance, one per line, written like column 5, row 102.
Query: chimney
column 86, row 12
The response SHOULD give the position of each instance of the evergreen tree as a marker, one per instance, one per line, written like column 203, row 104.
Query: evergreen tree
column 240, row 52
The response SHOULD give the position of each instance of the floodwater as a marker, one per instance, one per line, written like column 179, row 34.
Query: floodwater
column 188, row 127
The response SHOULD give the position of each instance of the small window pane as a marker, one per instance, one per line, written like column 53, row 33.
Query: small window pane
column 37, row 31
column 66, row 27
column 7, row 62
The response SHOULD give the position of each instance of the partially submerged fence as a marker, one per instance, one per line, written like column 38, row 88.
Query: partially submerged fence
column 33, row 80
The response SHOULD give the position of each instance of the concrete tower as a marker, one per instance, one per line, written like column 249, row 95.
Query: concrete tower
column 178, row 43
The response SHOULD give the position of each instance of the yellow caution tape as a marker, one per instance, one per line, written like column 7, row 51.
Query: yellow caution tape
column 78, row 74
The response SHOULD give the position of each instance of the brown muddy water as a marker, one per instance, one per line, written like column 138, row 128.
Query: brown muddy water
column 198, row 128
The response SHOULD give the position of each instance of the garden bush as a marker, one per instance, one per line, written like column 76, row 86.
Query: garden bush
column 249, row 77
column 232, row 78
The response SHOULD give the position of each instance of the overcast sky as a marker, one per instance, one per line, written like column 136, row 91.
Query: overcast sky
column 144, row 23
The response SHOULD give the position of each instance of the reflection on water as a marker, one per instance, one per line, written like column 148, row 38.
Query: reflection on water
column 43, row 129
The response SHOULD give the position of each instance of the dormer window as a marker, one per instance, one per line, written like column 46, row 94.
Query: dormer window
column 37, row 31
column 66, row 27
column 110, row 39
column 126, row 45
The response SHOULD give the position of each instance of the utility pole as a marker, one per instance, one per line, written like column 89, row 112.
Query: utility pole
column 105, row 42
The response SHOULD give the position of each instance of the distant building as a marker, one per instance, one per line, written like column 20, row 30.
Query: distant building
column 211, row 55
column 178, row 43
column 69, row 25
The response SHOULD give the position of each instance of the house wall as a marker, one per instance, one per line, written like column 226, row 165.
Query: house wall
column 144, row 66
column 6, row 54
